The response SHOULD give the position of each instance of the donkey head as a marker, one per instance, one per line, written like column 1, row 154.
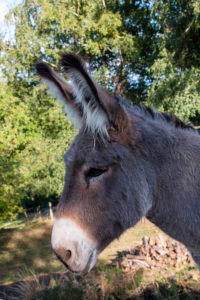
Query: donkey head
column 106, row 189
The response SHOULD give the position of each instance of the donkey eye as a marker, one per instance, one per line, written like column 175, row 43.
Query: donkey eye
column 95, row 172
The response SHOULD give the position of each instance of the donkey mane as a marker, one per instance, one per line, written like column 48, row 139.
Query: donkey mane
column 160, row 116
column 169, row 118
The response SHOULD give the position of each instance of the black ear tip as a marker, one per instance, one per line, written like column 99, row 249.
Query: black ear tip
column 42, row 69
column 71, row 60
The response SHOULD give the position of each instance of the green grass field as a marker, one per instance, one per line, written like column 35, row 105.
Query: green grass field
column 25, row 252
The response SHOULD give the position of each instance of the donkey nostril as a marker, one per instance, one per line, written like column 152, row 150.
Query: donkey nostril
column 68, row 254
column 63, row 254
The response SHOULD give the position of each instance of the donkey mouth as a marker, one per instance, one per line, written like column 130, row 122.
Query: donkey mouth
column 91, row 263
column 82, row 272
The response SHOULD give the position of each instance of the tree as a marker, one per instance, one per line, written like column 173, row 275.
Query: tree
column 13, row 121
column 31, row 148
column 116, row 37
column 144, row 50
column 176, row 70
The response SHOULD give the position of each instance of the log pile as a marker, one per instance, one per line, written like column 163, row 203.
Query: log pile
column 155, row 252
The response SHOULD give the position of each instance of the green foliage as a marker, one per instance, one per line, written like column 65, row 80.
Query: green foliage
column 147, row 51
column 176, row 70
column 108, row 34
column 13, row 137
column 31, row 151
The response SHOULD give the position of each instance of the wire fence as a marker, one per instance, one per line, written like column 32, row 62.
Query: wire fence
column 31, row 214
column 47, row 212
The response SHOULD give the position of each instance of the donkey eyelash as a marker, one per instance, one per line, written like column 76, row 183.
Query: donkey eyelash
column 95, row 172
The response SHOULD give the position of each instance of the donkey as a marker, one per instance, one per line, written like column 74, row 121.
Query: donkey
column 126, row 162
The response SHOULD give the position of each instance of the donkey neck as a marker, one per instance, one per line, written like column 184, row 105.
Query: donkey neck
column 175, row 157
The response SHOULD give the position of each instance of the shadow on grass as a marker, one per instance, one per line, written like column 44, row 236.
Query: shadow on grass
column 27, row 248
column 6, row 230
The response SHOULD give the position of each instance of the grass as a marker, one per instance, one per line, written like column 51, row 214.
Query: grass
column 29, row 246
column 25, row 251
column 106, row 284
column 13, row 224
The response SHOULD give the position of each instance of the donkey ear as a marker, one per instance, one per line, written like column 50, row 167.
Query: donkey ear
column 95, row 113
column 62, row 91
column 104, row 114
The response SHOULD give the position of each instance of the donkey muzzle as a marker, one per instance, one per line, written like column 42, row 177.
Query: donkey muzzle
column 73, row 246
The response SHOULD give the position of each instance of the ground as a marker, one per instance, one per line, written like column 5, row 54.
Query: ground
column 25, row 251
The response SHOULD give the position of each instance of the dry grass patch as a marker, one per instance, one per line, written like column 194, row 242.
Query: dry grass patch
column 28, row 247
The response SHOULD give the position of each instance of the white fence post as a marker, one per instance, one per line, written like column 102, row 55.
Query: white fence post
column 50, row 211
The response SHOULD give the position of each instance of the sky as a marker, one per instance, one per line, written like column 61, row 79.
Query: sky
column 5, row 6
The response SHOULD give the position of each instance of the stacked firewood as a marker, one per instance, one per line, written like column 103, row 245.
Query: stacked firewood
column 155, row 252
